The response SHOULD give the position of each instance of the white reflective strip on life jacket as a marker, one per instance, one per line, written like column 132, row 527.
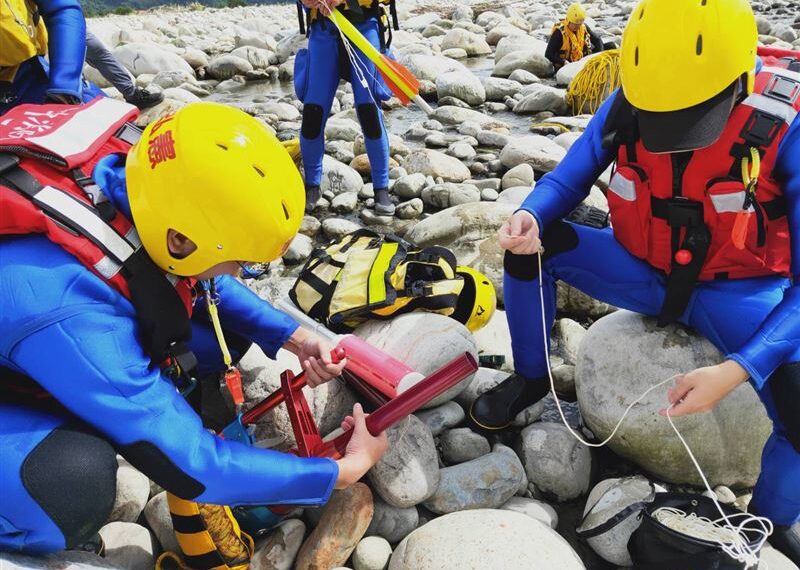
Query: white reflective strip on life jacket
column 729, row 203
column 133, row 238
column 107, row 267
column 622, row 187
column 90, row 222
column 772, row 106
column 789, row 74
column 84, row 128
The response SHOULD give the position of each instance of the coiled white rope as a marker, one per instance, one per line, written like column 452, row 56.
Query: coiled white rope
column 729, row 537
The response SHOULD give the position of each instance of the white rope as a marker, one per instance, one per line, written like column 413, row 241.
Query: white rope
column 730, row 538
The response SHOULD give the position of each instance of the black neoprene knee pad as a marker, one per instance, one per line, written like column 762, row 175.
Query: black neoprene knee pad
column 312, row 121
column 785, row 386
column 559, row 237
column 369, row 119
column 72, row 475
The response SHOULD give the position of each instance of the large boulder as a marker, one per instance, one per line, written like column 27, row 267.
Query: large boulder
column 424, row 342
column 139, row 58
column 538, row 151
column 625, row 354
column 465, row 87
column 437, row 164
column 482, row 539
column 470, row 231
column 486, row 482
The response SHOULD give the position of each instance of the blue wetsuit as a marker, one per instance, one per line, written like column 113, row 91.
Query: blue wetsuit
column 78, row 339
column 755, row 322
column 36, row 78
column 316, row 82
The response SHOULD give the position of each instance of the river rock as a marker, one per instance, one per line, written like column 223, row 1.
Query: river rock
column 497, row 88
column 520, row 175
column 501, row 31
column 442, row 417
column 437, row 164
column 555, row 461
column 517, row 43
column 450, row 115
column 431, row 66
column 344, row 521
column 410, row 186
column 133, row 490
column 392, row 523
column 449, row 194
column 280, row 547
column 226, row 66
column 726, row 441
column 462, row 445
column 139, row 58
column 524, row 77
column 471, row 43
column 128, row 545
column 538, row 151
column 530, row 61
column 167, row 79
column 485, row 482
column 372, row 553
column 343, row 128
column 482, row 539
column 299, row 250
column 344, row 203
column 607, row 501
column 540, row 97
column 514, row 195
column 410, row 210
column 156, row 513
column 771, row 559
column 339, row 178
column 467, row 88
column 570, row 335
column 408, row 473
column 259, row 58
column 535, row 509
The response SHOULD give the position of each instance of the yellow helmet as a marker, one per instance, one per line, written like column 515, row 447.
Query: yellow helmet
column 682, row 54
column 219, row 177
column 575, row 13
column 477, row 301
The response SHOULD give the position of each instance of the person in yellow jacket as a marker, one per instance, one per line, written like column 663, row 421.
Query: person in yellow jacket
column 571, row 39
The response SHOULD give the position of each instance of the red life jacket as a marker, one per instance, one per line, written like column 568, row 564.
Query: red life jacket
column 47, row 155
column 650, row 193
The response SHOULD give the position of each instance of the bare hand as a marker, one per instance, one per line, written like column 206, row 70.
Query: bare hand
column 520, row 234
column 314, row 355
column 701, row 389
column 363, row 450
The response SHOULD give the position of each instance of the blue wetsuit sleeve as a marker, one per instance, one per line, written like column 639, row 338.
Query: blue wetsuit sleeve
column 247, row 314
column 95, row 367
column 560, row 191
column 66, row 28
column 779, row 336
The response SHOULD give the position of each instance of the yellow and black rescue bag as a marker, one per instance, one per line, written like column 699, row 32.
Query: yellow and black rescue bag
column 365, row 276
column 22, row 35
column 209, row 538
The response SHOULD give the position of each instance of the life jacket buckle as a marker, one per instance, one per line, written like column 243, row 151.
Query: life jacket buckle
column 682, row 213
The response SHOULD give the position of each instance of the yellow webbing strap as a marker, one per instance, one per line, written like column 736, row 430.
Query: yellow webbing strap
column 209, row 538
column 377, row 273
column 211, row 304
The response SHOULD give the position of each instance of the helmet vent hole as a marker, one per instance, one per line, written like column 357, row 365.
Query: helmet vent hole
column 260, row 172
column 641, row 13
column 222, row 146
column 699, row 48
column 703, row 2
column 636, row 56
column 285, row 210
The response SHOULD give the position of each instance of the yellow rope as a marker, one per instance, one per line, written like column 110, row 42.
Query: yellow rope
column 596, row 81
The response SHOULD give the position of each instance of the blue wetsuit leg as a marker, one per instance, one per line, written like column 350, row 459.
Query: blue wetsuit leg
column 323, row 73
column 367, row 100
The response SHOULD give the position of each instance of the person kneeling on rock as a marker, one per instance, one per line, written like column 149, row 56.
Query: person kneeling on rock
column 705, row 206
column 106, row 323
column 316, row 75
column 571, row 39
